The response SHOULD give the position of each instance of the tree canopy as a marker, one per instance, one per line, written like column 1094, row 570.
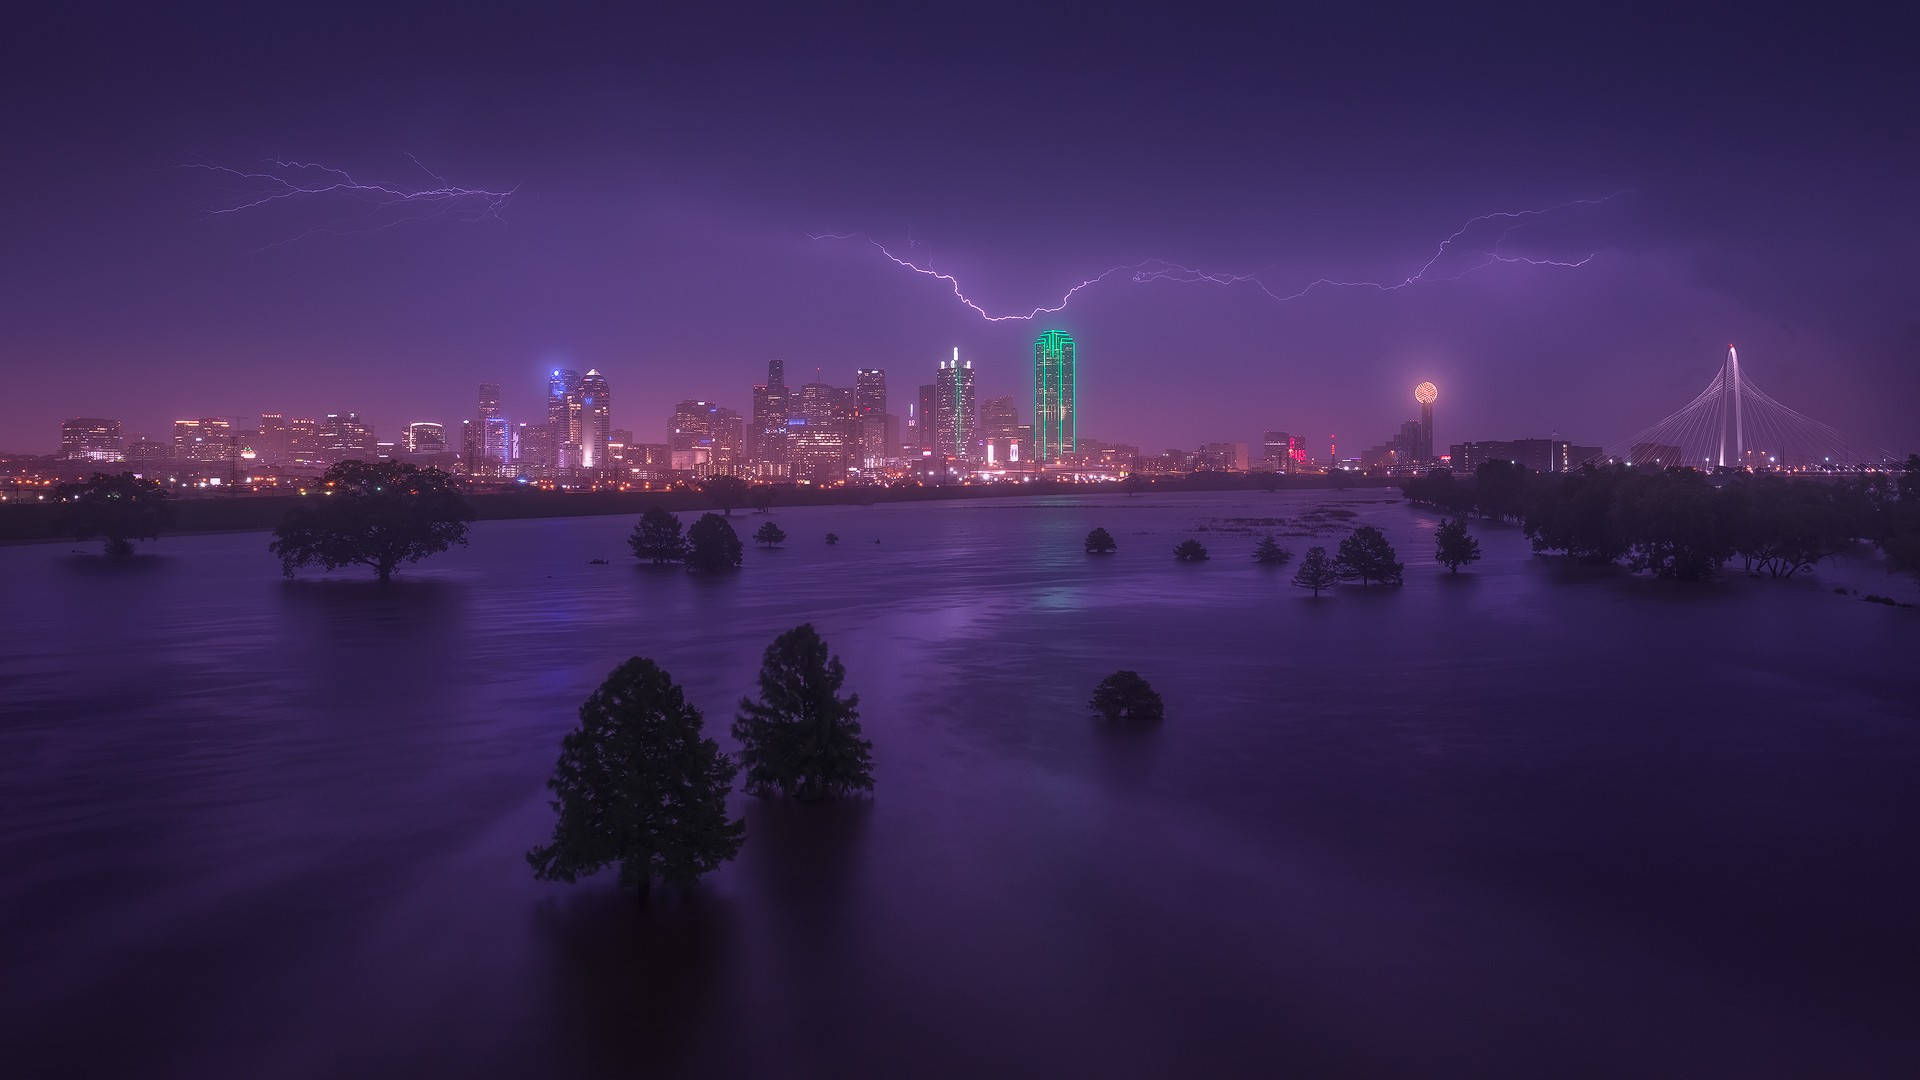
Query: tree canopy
column 712, row 544
column 1100, row 542
column 118, row 508
column 1125, row 699
column 801, row 738
column 1190, row 551
column 657, row 537
column 1367, row 557
column 1315, row 571
column 375, row 513
column 1268, row 552
column 770, row 534
column 725, row 492
column 638, row 785
column 1453, row 548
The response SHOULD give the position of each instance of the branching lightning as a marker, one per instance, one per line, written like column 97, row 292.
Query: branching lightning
column 1156, row 269
column 355, row 205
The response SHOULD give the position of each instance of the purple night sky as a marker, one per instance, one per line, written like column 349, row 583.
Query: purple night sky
column 668, row 172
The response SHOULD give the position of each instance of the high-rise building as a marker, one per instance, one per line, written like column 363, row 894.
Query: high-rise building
column 706, row 439
column 767, row 437
column 426, row 437
column 1223, row 457
column 344, row 437
column 493, row 432
column 303, row 443
column 206, row 441
column 90, row 438
column 563, row 417
column 596, row 420
column 870, row 415
column 923, row 440
column 955, row 423
column 1055, row 397
column 270, row 440
column 1000, row 430
column 821, row 447
column 148, row 453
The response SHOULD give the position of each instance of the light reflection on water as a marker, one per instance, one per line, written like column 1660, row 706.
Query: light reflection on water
column 275, row 828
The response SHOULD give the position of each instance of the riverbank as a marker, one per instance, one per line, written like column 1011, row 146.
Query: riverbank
column 26, row 523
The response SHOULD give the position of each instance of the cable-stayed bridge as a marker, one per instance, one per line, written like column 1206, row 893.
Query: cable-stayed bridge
column 1734, row 424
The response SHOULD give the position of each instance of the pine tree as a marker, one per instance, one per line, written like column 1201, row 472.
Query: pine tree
column 801, row 738
column 1100, row 542
column 1452, row 546
column 1270, row 553
column 657, row 537
column 1316, row 571
column 636, row 784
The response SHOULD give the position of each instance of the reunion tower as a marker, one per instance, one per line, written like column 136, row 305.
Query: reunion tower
column 1425, row 393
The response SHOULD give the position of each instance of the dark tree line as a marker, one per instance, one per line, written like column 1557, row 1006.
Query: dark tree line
column 1680, row 523
column 118, row 509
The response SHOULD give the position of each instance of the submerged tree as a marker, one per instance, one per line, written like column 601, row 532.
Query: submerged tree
column 1100, row 542
column 801, row 738
column 1190, row 551
column 761, row 497
column 1268, row 552
column 1316, row 571
column 1366, row 557
column 375, row 513
column 770, row 534
column 834, row 538
column 118, row 509
column 636, row 784
column 1452, row 546
column 1124, row 698
column 657, row 537
column 712, row 544
column 725, row 492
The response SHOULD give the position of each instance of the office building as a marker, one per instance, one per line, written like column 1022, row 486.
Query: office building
column 206, row 441
column 91, row 438
column 564, row 417
column 870, row 416
column 1055, row 393
column 955, row 421
column 344, row 437
column 1000, row 431
column 596, row 420
column 767, row 435
column 426, row 437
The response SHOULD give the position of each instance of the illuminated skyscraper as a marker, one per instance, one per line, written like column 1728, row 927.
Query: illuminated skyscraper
column 89, row 438
column 1425, row 394
column 270, row 441
column 1055, row 397
column 208, row 440
column 596, row 420
column 563, row 417
column 426, row 437
column 955, row 423
column 870, row 415
column 767, row 437
column 493, row 432
column 923, row 420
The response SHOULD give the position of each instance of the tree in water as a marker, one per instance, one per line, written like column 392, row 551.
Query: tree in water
column 375, row 513
column 801, row 738
column 725, row 492
column 1452, row 546
column 1134, row 484
column 834, row 538
column 1316, row 571
column 770, row 534
column 1100, row 542
column 712, row 545
column 657, row 537
column 1268, row 552
column 1190, row 551
column 1125, row 699
column 119, row 509
column 1366, row 557
column 761, row 497
column 636, row 784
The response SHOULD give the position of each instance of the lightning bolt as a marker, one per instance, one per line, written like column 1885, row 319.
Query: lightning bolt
column 370, row 206
column 1151, row 270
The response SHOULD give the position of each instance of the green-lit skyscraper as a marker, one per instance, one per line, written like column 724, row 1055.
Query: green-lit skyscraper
column 1056, row 429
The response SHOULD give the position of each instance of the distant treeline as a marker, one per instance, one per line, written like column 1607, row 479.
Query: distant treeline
column 242, row 513
column 1680, row 523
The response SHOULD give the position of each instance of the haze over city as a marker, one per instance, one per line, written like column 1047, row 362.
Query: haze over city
column 944, row 541
column 666, row 175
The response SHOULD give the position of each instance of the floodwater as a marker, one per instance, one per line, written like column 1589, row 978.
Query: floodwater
column 1532, row 821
